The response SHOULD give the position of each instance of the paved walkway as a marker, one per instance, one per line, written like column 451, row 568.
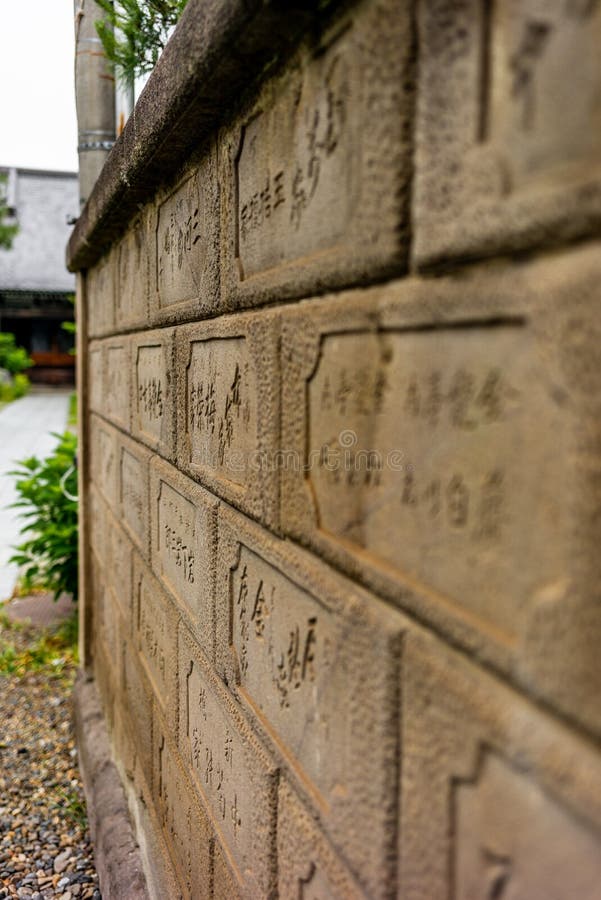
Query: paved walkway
column 25, row 430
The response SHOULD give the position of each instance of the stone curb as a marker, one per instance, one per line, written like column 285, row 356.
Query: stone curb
column 117, row 855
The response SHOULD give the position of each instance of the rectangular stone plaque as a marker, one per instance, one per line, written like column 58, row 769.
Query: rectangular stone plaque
column 507, row 143
column 137, row 711
column 104, row 467
column 235, row 778
column 134, row 509
column 185, row 281
column 184, row 528
column 153, row 413
column 119, row 569
column 183, row 822
column 156, row 636
column 460, row 420
column 95, row 376
column 315, row 173
column 427, row 424
column 313, row 659
column 133, row 274
column 228, row 421
column 485, row 791
column 116, row 399
column 100, row 297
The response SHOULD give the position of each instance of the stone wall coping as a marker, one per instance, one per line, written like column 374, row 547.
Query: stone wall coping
column 218, row 50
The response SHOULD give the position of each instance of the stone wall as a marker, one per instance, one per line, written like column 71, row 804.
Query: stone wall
column 341, row 473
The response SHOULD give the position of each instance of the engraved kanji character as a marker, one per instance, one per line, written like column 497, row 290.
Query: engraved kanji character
column 490, row 397
column 299, row 198
column 229, row 748
column 412, row 399
column 260, row 610
column 458, row 501
column 308, row 670
column 460, row 396
column 278, row 189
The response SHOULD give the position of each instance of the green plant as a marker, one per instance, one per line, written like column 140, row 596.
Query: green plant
column 14, row 359
column 134, row 33
column 7, row 232
column 47, row 490
column 18, row 387
column 54, row 649
column 72, row 806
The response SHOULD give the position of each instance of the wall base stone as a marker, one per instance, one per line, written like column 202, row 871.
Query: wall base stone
column 117, row 854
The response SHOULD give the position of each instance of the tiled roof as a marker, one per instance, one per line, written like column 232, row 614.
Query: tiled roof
column 42, row 201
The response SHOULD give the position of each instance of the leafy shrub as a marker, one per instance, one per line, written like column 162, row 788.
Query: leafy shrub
column 18, row 387
column 14, row 359
column 47, row 489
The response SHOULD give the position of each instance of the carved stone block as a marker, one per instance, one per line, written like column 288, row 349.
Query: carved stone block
column 104, row 459
column 116, row 399
column 228, row 407
column 315, row 174
column 308, row 868
column 235, row 778
column 100, row 297
column 153, row 389
column 183, row 546
column 508, row 126
column 182, row 820
column 156, row 621
column 131, row 308
column 134, row 508
column 497, row 798
column 427, row 426
column 185, row 280
column 312, row 660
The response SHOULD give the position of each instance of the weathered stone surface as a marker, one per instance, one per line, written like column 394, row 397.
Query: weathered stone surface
column 182, row 820
column 430, row 492
column 308, row 867
column 98, row 519
column 234, row 776
column 134, row 508
column 507, row 146
column 104, row 466
column 315, row 174
column 185, row 281
column 340, row 552
column 119, row 570
column 493, row 792
column 156, row 637
column 116, row 398
column 136, row 702
column 100, row 297
column 183, row 546
column 153, row 402
column 228, row 409
column 133, row 254
column 225, row 884
column 313, row 661
column 95, row 376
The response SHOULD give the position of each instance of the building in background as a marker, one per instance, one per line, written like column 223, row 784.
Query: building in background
column 36, row 290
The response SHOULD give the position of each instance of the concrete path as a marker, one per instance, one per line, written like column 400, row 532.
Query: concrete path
column 25, row 427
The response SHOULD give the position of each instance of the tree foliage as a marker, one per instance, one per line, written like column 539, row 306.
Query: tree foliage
column 134, row 33
column 7, row 232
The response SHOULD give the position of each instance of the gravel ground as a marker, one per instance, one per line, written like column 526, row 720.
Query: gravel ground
column 45, row 848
